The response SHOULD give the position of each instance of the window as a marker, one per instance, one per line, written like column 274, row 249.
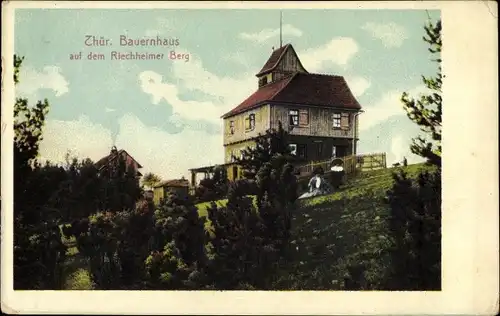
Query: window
column 302, row 151
column 334, row 152
column 336, row 120
column 293, row 149
column 294, row 117
column 231, row 127
column 250, row 122
column 264, row 80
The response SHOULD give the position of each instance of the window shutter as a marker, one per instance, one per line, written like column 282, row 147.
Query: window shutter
column 344, row 121
column 304, row 117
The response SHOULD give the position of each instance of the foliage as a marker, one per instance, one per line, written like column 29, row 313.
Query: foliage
column 120, row 188
column 38, row 248
column 273, row 142
column 248, row 241
column 178, row 258
column 151, row 180
column 214, row 188
column 116, row 244
column 427, row 110
column 415, row 226
column 415, row 208
column 78, row 195
column 240, row 258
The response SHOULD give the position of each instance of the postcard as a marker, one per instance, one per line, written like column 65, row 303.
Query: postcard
column 249, row 158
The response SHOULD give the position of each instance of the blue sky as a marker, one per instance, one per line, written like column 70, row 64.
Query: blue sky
column 166, row 113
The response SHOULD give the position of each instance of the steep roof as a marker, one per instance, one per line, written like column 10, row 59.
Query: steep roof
column 174, row 183
column 305, row 89
column 273, row 60
column 106, row 159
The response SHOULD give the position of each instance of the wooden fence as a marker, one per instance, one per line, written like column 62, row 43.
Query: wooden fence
column 351, row 164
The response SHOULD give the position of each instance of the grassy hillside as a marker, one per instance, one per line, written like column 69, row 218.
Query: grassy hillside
column 331, row 235
column 343, row 231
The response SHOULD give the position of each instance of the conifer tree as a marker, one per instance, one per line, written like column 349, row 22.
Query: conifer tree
column 239, row 256
column 38, row 248
column 273, row 142
column 426, row 111
column 178, row 257
column 415, row 217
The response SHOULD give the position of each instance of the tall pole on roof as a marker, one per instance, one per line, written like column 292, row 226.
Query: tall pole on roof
column 281, row 29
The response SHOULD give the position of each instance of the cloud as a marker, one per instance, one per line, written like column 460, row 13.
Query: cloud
column 391, row 34
column 266, row 34
column 31, row 81
column 192, row 76
column 339, row 51
column 387, row 106
column 168, row 155
column 400, row 149
column 81, row 137
column 358, row 85
column 152, row 83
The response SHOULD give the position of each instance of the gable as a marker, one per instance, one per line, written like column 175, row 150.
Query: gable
column 282, row 60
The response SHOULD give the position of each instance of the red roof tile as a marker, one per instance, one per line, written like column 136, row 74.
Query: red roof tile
column 265, row 93
column 273, row 60
column 318, row 89
column 104, row 160
column 303, row 88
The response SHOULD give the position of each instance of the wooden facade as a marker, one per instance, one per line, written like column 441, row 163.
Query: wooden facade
column 318, row 111
column 247, row 125
column 179, row 187
column 288, row 64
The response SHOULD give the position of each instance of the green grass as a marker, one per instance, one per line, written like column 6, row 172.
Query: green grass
column 334, row 232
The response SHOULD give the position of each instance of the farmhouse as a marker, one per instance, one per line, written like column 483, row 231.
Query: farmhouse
column 178, row 186
column 104, row 164
column 319, row 112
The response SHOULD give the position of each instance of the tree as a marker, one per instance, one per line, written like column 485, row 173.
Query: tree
column 116, row 244
column 239, row 256
column 120, row 189
column 178, row 259
column 415, row 206
column 427, row 110
column 38, row 248
column 249, row 240
column 273, row 142
column 415, row 226
column 214, row 188
column 151, row 180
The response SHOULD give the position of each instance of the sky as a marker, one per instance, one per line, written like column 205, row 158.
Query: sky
column 166, row 112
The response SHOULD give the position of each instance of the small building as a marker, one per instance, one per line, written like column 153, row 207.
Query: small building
column 178, row 186
column 103, row 164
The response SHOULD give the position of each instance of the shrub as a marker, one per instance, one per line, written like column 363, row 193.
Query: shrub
column 415, row 226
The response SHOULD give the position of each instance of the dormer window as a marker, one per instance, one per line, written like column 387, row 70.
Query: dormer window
column 250, row 122
column 231, row 127
column 264, row 80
